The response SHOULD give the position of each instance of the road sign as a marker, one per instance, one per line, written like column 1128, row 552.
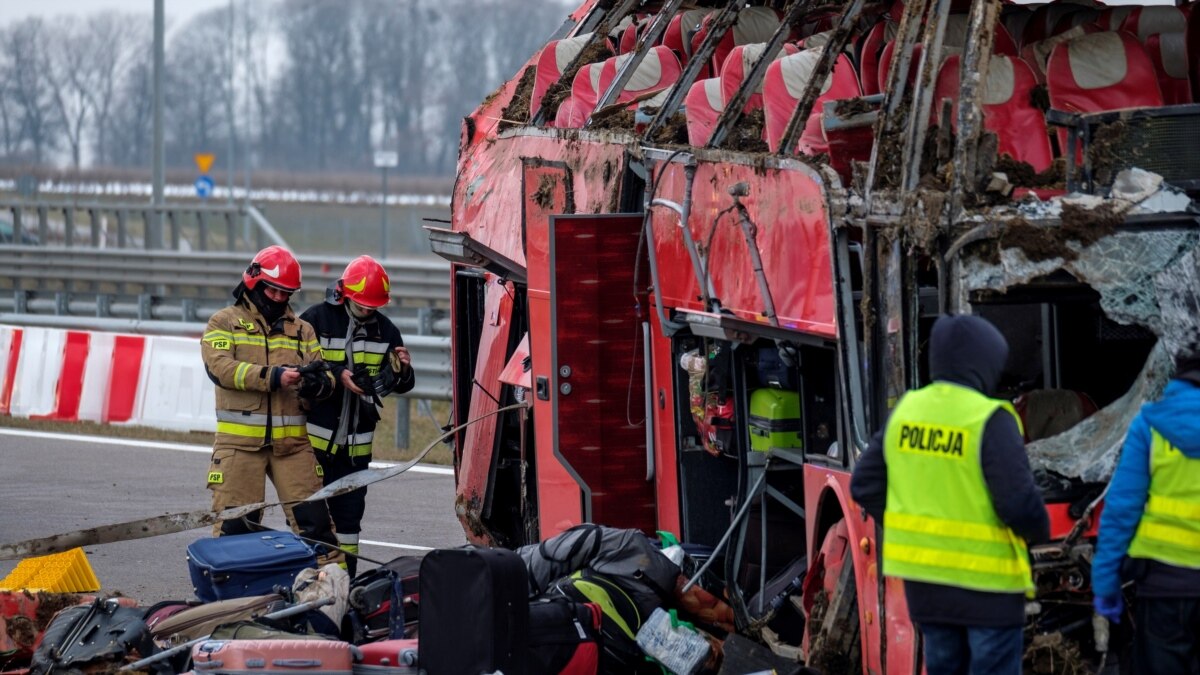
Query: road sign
column 204, row 161
column 386, row 159
column 204, row 187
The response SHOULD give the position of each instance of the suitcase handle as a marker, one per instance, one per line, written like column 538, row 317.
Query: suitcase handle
column 297, row 663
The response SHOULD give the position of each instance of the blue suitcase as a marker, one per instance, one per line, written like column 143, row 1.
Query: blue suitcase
column 241, row 565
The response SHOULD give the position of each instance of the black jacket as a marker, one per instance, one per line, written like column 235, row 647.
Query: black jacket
column 376, row 335
column 966, row 350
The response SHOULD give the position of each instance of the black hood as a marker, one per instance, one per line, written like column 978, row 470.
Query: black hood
column 967, row 350
column 271, row 311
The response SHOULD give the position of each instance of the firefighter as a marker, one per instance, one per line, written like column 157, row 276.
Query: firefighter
column 1151, row 523
column 254, row 351
column 949, row 480
column 369, row 361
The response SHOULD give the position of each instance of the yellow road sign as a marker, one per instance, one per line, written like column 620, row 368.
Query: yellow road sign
column 204, row 161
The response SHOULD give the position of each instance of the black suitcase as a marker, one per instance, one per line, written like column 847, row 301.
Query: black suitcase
column 474, row 612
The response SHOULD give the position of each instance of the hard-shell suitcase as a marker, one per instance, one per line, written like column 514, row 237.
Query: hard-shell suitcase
column 474, row 612
column 775, row 420
column 240, row 565
column 388, row 657
column 239, row 657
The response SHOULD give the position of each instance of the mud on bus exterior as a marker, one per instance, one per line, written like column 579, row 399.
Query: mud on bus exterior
column 710, row 277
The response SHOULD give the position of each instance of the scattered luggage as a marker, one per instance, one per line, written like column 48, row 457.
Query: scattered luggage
column 384, row 602
column 474, row 611
column 564, row 637
column 200, row 620
column 100, row 636
column 619, row 623
column 236, row 657
column 775, row 420
column 241, row 565
column 388, row 657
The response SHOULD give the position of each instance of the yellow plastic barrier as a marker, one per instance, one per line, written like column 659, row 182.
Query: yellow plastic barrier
column 67, row 572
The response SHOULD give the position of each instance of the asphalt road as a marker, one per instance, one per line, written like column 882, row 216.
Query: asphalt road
column 53, row 483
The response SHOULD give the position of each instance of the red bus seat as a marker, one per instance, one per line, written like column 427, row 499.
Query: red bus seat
column 739, row 63
column 585, row 91
column 1008, row 110
column 1169, row 53
column 703, row 105
column 551, row 63
column 680, row 31
column 658, row 70
column 754, row 24
column 880, row 35
column 783, row 87
column 1099, row 72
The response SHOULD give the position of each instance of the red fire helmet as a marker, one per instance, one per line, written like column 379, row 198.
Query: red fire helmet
column 365, row 282
column 275, row 266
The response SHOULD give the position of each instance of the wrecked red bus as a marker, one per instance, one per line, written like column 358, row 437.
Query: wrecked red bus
column 704, row 243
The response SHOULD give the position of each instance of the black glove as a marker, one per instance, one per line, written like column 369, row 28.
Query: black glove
column 362, row 378
column 315, row 382
column 385, row 382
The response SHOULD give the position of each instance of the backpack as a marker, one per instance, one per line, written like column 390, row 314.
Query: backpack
column 619, row 622
column 384, row 602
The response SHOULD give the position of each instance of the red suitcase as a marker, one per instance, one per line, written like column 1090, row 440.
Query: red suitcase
column 240, row 657
column 388, row 657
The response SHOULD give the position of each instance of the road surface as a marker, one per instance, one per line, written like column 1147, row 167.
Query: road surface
column 55, row 483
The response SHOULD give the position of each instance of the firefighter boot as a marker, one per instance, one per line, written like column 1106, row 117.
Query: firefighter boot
column 314, row 524
column 349, row 544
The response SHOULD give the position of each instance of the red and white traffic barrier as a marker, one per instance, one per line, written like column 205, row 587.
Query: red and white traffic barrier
column 155, row 381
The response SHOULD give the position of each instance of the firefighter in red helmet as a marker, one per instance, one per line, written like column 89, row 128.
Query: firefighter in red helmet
column 254, row 351
column 369, row 361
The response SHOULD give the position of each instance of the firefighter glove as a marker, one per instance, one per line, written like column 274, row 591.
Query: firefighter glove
column 1110, row 607
column 389, row 375
column 316, row 383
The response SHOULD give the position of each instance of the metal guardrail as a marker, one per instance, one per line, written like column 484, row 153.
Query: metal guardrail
column 142, row 226
column 174, row 276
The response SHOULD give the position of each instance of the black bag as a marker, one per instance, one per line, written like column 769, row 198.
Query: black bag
column 474, row 612
column 102, row 633
column 564, row 637
column 383, row 602
column 619, row 624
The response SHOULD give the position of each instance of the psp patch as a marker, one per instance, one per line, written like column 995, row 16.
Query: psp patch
column 320, row 471
column 215, row 477
column 221, row 343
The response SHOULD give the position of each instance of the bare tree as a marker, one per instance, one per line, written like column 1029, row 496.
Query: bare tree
column 197, row 87
column 25, row 45
column 119, row 40
column 73, row 78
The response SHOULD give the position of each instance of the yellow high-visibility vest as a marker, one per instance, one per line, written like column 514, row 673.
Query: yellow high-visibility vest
column 1170, row 527
column 939, row 525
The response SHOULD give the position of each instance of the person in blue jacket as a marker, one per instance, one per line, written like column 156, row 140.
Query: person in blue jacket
column 1150, row 528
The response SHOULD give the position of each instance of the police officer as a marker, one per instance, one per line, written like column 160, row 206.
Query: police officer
column 369, row 361
column 253, row 351
column 1151, row 522
column 949, row 480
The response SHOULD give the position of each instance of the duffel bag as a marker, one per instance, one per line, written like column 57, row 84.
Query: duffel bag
column 384, row 602
column 564, row 637
column 619, row 622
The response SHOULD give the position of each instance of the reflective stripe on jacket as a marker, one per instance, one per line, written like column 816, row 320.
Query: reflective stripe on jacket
column 241, row 356
column 939, row 525
column 1169, row 530
column 373, row 339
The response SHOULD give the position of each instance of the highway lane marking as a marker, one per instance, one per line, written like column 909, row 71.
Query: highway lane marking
column 182, row 447
column 388, row 544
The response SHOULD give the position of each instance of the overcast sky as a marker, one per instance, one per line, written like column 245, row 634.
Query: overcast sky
column 178, row 11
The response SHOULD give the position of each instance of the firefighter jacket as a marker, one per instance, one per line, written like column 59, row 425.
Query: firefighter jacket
column 951, row 535
column 245, row 358
column 363, row 346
